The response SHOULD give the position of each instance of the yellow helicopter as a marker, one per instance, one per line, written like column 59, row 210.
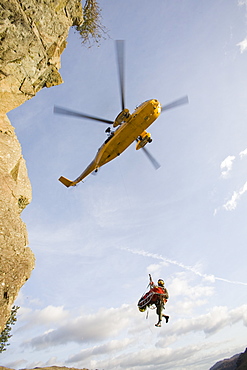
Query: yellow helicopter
column 128, row 127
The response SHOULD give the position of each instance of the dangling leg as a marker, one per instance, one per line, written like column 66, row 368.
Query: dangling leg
column 159, row 309
column 166, row 317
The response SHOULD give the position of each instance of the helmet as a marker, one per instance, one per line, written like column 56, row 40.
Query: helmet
column 142, row 309
column 161, row 282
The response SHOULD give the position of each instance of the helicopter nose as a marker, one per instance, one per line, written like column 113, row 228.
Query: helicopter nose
column 157, row 106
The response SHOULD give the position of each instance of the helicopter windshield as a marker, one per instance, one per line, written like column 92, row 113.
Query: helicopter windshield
column 109, row 137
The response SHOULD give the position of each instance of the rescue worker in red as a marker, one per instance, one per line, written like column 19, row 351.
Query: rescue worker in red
column 161, row 296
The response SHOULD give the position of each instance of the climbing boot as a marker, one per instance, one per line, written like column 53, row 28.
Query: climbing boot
column 158, row 324
column 166, row 317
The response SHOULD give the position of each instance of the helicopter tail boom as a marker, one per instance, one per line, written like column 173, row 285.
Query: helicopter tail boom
column 66, row 181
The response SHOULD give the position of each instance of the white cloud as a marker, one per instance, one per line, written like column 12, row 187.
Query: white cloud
column 127, row 352
column 243, row 189
column 18, row 364
column 243, row 153
column 242, row 45
column 114, row 334
column 50, row 314
column 106, row 348
column 180, row 286
column 166, row 358
column 163, row 358
column 210, row 323
column 226, row 166
column 156, row 268
column 231, row 204
column 85, row 328
column 45, row 316
column 242, row 2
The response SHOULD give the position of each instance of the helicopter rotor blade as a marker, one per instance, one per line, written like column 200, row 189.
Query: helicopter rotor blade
column 151, row 158
column 67, row 112
column 176, row 103
column 120, row 63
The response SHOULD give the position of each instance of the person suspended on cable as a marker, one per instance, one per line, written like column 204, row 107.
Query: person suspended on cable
column 161, row 297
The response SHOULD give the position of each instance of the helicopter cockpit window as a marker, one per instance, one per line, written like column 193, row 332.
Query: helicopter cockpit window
column 109, row 137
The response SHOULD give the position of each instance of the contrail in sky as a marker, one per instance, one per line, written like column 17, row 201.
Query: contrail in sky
column 211, row 278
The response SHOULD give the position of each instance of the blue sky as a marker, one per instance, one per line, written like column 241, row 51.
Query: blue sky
column 186, row 222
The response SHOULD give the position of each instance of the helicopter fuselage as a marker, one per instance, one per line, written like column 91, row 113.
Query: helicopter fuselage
column 129, row 130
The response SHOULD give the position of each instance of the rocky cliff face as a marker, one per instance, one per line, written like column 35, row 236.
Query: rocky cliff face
column 32, row 37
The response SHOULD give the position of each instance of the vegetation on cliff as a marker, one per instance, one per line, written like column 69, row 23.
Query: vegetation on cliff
column 91, row 30
column 5, row 335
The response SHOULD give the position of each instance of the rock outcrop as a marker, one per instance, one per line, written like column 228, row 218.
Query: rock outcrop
column 236, row 362
column 226, row 364
column 242, row 361
column 47, row 368
column 32, row 37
